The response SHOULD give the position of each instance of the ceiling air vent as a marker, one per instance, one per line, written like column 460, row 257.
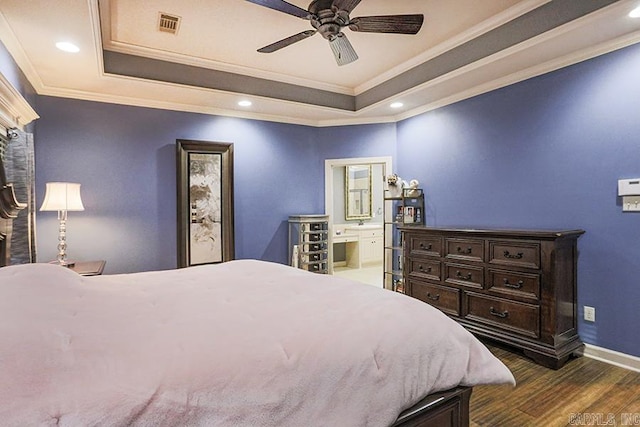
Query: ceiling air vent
column 168, row 23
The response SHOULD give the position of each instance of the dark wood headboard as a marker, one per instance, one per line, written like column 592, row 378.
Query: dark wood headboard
column 9, row 207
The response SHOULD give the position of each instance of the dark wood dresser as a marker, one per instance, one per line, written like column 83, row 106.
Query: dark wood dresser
column 514, row 286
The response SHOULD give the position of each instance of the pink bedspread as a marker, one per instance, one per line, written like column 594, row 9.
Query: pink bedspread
column 245, row 343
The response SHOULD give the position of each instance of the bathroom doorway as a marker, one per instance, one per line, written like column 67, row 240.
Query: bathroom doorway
column 356, row 246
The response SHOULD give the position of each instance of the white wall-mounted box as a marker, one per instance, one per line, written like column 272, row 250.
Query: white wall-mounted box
column 629, row 189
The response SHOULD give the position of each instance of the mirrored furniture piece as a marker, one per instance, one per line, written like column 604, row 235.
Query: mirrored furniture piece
column 309, row 242
column 357, row 192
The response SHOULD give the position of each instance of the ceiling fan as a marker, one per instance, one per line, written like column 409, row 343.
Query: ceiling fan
column 329, row 17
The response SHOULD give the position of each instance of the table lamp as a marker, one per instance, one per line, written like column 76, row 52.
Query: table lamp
column 62, row 197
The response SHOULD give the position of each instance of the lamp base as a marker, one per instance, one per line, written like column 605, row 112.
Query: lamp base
column 67, row 264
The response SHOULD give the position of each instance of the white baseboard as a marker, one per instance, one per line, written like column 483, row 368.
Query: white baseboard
column 612, row 357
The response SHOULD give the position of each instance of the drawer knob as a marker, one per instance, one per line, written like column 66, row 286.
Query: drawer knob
column 513, row 285
column 464, row 251
column 427, row 247
column 435, row 297
column 500, row 314
column 519, row 255
column 459, row 275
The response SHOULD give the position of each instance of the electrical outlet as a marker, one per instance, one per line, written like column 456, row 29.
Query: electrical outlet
column 589, row 313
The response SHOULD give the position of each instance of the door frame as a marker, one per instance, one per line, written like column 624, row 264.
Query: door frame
column 329, row 164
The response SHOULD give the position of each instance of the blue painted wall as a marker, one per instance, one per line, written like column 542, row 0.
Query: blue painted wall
column 546, row 153
column 125, row 159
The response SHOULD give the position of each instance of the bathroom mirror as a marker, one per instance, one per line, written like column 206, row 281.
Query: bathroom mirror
column 357, row 192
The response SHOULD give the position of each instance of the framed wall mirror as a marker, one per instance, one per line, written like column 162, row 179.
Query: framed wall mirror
column 205, row 202
column 357, row 192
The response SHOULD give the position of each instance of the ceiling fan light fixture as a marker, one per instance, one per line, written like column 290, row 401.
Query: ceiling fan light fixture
column 635, row 13
column 329, row 17
column 68, row 47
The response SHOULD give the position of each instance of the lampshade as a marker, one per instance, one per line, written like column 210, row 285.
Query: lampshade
column 62, row 196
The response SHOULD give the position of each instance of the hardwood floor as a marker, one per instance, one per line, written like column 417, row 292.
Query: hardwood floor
column 583, row 392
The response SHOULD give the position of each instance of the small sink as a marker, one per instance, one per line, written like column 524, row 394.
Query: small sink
column 364, row 227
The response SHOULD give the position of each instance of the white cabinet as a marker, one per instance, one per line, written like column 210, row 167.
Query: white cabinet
column 364, row 246
column 371, row 246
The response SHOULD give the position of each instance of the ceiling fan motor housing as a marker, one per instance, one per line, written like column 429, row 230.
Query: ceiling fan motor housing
column 327, row 19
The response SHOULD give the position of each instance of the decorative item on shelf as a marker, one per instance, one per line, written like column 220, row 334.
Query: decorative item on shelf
column 412, row 190
column 394, row 185
column 62, row 197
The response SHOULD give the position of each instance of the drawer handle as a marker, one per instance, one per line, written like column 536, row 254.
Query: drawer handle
column 464, row 251
column 433, row 298
column 513, row 285
column 519, row 255
column 428, row 247
column 502, row 315
column 460, row 276
column 421, row 268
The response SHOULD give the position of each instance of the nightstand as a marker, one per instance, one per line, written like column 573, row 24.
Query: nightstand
column 88, row 268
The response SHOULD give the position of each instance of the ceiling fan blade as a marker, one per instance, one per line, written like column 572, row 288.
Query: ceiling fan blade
column 399, row 24
column 342, row 49
column 286, row 42
column 283, row 6
column 347, row 5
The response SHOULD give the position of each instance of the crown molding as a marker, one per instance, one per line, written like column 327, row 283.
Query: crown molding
column 15, row 111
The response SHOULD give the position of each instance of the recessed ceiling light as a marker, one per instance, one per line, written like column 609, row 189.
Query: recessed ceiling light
column 245, row 103
column 397, row 105
column 635, row 13
column 68, row 47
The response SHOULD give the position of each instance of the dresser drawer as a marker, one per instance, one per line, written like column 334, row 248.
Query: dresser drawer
column 368, row 234
column 425, row 269
column 441, row 297
column 314, row 226
column 514, row 284
column 312, row 247
column 512, row 316
column 313, row 256
column 316, row 267
column 465, row 249
column 465, row 275
column 425, row 245
column 520, row 254
column 313, row 237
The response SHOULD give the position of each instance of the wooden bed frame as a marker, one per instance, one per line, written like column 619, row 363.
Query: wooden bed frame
column 444, row 409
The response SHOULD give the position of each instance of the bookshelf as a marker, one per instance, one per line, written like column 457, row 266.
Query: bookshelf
column 405, row 209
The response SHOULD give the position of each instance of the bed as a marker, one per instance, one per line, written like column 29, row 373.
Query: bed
column 242, row 343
